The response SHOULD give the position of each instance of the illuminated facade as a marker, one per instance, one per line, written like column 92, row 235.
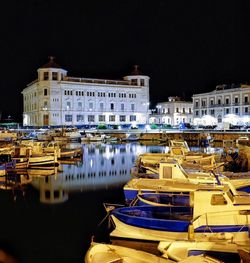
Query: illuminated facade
column 226, row 104
column 55, row 99
column 173, row 112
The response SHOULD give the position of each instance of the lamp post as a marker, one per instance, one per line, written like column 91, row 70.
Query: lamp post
column 45, row 116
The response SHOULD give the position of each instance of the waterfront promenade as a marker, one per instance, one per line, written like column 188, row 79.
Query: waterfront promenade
column 162, row 134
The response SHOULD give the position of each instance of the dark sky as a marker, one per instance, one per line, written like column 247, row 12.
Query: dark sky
column 186, row 47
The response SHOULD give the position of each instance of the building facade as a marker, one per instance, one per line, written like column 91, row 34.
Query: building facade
column 226, row 104
column 55, row 99
column 173, row 112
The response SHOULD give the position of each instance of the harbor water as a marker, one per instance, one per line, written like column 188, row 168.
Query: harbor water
column 54, row 217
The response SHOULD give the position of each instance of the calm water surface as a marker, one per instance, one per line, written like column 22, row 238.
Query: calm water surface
column 53, row 218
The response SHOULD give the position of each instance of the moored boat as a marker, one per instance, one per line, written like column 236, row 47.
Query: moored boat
column 210, row 212
column 224, row 250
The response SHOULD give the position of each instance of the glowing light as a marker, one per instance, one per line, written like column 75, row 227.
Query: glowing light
column 209, row 120
column 232, row 118
column 133, row 124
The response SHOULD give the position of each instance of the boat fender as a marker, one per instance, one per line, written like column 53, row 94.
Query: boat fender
column 191, row 232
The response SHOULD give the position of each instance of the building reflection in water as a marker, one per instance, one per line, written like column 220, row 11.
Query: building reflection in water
column 103, row 166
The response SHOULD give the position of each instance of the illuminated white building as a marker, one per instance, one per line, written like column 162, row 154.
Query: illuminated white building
column 55, row 99
column 226, row 104
column 173, row 112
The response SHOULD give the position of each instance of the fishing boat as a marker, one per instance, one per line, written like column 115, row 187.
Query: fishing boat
column 210, row 213
column 221, row 249
column 149, row 162
column 68, row 135
column 172, row 176
column 62, row 152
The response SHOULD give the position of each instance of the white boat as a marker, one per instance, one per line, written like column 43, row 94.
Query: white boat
column 221, row 249
column 210, row 213
column 149, row 162
column 107, row 253
column 93, row 138
column 67, row 135
column 173, row 178
column 54, row 146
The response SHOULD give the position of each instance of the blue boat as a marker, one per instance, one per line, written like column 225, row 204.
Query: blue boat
column 210, row 212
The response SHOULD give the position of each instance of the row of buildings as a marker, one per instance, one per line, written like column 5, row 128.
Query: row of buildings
column 56, row 99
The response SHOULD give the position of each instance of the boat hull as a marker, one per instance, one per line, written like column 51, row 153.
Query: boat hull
column 174, row 223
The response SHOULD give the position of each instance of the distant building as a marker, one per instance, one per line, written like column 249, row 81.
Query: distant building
column 172, row 112
column 226, row 104
column 55, row 99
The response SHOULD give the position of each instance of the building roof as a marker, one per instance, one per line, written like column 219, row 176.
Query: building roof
column 51, row 63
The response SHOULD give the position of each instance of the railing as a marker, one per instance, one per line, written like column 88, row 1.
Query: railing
column 100, row 81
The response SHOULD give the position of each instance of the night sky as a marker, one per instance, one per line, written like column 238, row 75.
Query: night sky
column 185, row 47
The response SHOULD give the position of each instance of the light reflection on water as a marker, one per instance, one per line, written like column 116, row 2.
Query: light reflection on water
column 103, row 166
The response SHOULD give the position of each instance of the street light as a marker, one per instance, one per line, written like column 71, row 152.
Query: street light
column 158, row 108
